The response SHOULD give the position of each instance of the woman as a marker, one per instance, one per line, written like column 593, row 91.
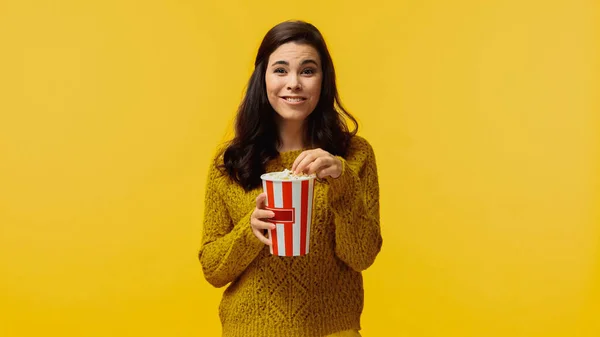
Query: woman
column 291, row 117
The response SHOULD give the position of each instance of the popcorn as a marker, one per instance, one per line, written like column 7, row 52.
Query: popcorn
column 288, row 175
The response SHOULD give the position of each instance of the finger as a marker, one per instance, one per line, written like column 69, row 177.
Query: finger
column 299, row 159
column 301, row 168
column 258, row 224
column 263, row 214
column 261, row 237
column 260, row 200
column 319, row 164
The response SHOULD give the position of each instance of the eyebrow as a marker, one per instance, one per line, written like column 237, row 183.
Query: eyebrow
column 286, row 63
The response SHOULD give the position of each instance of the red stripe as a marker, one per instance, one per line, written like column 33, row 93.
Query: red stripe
column 287, row 203
column 271, row 203
column 303, row 216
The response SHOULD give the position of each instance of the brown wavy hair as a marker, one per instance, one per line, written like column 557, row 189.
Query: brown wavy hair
column 256, row 135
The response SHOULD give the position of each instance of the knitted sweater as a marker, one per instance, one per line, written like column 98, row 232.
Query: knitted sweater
column 303, row 296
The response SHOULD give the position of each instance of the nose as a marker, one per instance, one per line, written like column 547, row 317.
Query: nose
column 294, row 83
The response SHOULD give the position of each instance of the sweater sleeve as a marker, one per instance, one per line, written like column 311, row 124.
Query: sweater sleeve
column 227, row 248
column 354, row 200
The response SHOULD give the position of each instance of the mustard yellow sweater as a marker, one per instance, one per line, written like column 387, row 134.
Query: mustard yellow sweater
column 303, row 296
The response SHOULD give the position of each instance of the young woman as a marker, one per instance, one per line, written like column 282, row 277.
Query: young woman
column 291, row 118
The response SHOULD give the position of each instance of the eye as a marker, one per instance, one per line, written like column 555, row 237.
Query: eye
column 309, row 71
column 279, row 71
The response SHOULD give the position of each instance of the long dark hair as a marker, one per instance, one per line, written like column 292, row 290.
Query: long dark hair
column 256, row 134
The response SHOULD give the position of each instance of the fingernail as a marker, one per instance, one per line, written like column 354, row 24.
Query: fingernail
column 273, row 226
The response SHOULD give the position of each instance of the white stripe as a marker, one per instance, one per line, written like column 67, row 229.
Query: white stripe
column 281, row 239
column 270, row 236
column 311, row 186
column 264, row 184
column 278, row 200
column 297, row 204
column 277, row 194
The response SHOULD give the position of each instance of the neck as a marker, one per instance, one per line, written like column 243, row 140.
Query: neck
column 291, row 136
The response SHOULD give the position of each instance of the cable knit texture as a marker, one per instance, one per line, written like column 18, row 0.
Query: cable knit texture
column 304, row 296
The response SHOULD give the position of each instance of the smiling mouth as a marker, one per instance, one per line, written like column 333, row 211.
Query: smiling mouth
column 294, row 99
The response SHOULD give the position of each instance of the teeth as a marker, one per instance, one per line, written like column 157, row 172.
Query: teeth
column 289, row 99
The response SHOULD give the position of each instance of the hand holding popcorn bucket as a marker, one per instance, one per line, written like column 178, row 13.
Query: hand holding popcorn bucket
column 290, row 197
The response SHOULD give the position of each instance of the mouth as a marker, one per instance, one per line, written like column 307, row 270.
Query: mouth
column 293, row 99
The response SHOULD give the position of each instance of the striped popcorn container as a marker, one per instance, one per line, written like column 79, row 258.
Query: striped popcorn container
column 291, row 199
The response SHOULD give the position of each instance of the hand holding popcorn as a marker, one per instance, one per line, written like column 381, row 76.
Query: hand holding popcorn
column 319, row 162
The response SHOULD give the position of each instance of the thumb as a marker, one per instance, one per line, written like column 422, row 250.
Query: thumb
column 260, row 200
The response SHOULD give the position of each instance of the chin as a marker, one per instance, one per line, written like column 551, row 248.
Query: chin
column 296, row 116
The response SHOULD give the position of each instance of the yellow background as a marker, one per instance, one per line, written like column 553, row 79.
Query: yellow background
column 484, row 116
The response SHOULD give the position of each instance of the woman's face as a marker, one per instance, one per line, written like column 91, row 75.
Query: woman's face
column 293, row 80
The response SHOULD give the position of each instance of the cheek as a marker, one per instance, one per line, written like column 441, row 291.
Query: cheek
column 275, row 83
column 316, row 89
column 271, row 85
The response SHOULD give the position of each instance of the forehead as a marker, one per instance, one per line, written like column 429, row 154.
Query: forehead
column 294, row 52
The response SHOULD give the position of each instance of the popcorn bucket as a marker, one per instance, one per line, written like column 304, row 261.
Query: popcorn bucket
column 291, row 199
